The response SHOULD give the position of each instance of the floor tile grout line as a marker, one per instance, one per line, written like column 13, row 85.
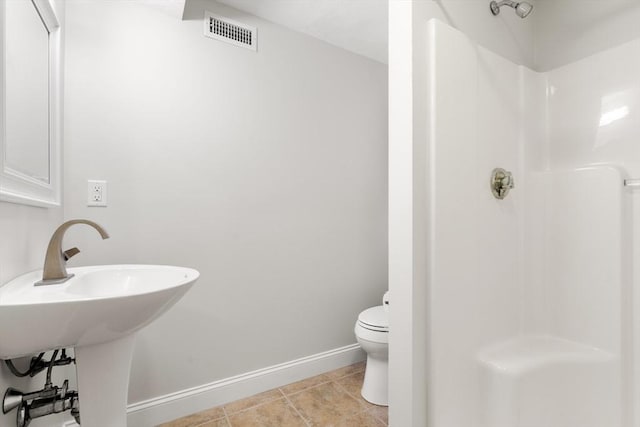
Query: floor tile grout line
column 366, row 408
column 295, row 409
column 357, row 398
column 208, row 421
column 360, row 398
column 377, row 417
column 226, row 416
column 306, row 389
column 251, row 407
column 346, row 375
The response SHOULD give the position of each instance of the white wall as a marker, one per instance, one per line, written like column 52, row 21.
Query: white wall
column 506, row 34
column 25, row 234
column 569, row 30
column 556, row 33
column 265, row 171
column 407, row 317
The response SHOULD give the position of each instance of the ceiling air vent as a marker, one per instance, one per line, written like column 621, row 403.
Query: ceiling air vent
column 226, row 30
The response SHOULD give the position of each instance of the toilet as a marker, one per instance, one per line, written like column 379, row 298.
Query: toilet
column 372, row 333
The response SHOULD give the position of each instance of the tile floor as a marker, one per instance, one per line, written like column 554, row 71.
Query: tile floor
column 328, row 400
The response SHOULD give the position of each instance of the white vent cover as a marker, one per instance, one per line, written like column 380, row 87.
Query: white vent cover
column 230, row 31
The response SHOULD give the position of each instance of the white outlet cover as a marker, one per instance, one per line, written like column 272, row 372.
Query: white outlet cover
column 96, row 193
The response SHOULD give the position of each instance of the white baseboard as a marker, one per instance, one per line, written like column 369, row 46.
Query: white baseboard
column 161, row 409
column 175, row 405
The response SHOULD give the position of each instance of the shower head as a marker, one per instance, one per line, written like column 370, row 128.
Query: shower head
column 523, row 9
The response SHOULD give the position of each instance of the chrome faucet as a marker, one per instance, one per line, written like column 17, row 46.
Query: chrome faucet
column 55, row 270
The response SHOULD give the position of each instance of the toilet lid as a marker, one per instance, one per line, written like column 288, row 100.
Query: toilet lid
column 376, row 318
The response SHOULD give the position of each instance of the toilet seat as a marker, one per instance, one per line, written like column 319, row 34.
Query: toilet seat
column 372, row 334
column 374, row 319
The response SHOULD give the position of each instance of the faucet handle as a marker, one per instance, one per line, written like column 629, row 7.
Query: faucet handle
column 501, row 183
column 70, row 252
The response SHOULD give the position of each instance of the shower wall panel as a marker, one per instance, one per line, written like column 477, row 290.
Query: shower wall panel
column 594, row 110
column 475, row 240
column 527, row 295
column 567, row 365
column 594, row 118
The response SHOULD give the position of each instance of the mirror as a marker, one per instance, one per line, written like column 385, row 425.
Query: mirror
column 30, row 119
column 26, row 91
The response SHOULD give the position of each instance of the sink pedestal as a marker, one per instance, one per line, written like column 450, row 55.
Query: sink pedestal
column 97, row 312
column 103, row 382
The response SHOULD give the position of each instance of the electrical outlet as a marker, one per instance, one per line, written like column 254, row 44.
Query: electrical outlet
column 96, row 193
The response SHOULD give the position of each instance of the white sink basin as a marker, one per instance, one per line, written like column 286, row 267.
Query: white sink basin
column 97, row 312
column 99, row 304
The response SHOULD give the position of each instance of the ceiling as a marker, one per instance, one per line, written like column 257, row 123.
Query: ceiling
column 359, row 26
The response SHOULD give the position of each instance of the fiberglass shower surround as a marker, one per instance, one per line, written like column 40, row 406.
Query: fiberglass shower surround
column 529, row 316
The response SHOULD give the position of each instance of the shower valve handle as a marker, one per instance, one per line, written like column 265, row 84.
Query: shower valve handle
column 501, row 182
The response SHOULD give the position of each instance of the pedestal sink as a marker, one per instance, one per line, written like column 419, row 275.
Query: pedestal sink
column 97, row 312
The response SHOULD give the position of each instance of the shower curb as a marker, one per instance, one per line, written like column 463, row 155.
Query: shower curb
column 165, row 408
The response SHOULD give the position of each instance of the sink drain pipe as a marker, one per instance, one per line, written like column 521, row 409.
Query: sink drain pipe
column 50, row 400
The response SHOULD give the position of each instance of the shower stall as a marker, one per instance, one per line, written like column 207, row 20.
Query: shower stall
column 522, row 307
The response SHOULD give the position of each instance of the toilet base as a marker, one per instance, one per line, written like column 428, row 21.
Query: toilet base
column 375, row 388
